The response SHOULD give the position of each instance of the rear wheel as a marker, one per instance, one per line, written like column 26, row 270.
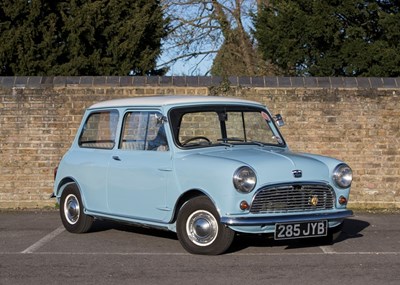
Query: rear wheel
column 71, row 211
column 199, row 229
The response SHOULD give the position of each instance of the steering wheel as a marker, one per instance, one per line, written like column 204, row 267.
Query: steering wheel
column 195, row 138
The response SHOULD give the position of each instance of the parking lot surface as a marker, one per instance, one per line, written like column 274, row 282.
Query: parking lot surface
column 35, row 249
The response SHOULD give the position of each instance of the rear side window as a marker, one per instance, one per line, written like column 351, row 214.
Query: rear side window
column 100, row 130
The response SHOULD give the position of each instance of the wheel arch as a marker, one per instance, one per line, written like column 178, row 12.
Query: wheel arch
column 64, row 183
column 190, row 194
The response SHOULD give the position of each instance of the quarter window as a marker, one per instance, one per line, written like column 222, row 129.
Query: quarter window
column 100, row 130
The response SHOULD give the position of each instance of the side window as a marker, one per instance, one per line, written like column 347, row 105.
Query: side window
column 143, row 131
column 100, row 130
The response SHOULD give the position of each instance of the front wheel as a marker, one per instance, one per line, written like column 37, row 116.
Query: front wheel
column 333, row 235
column 335, row 232
column 199, row 228
column 71, row 211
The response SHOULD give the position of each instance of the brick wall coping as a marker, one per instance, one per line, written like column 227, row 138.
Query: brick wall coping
column 199, row 81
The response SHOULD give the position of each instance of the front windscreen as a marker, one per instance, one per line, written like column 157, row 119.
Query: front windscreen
column 223, row 125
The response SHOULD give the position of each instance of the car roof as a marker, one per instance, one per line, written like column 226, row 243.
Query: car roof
column 164, row 100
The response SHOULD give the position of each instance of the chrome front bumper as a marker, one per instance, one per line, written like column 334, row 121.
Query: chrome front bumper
column 290, row 218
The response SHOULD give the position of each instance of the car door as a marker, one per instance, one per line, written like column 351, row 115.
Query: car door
column 89, row 160
column 140, row 168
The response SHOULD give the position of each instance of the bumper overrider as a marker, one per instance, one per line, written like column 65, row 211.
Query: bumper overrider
column 290, row 218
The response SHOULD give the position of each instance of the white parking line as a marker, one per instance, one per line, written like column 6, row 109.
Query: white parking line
column 388, row 253
column 327, row 249
column 34, row 247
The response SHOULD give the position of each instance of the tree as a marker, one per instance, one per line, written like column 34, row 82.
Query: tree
column 217, row 29
column 28, row 32
column 81, row 37
column 331, row 38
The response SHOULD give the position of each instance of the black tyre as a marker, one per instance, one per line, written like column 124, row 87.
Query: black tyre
column 333, row 235
column 335, row 232
column 199, row 229
column 71, row 211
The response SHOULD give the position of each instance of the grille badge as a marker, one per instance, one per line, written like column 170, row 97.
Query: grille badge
column 297, row 173
column 314, row 200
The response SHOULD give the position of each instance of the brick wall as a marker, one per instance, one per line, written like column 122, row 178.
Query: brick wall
column 354, row 119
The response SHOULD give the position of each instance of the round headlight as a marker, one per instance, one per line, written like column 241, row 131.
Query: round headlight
column 244, row 179
column 343, row 175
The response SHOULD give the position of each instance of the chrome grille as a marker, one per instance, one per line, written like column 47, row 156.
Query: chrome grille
column 293, row 198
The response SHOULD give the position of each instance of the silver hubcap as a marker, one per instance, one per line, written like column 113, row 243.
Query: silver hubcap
column 71, row 209
column 202, row 228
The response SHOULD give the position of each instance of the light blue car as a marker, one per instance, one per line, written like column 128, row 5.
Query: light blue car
column 204, row 167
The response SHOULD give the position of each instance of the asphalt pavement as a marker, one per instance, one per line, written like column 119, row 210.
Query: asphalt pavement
column 36, row 249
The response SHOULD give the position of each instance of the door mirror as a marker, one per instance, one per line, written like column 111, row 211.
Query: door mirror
column 279, row 120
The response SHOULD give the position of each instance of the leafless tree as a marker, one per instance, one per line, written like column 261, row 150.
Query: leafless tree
column 216, row 29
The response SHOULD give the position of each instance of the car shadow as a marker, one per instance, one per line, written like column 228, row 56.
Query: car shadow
column 352, row 228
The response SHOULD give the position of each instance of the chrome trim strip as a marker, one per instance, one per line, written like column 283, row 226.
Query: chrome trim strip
column 292, row 218
column 119, row 217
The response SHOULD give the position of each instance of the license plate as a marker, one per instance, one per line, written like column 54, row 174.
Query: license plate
column 301, row 230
